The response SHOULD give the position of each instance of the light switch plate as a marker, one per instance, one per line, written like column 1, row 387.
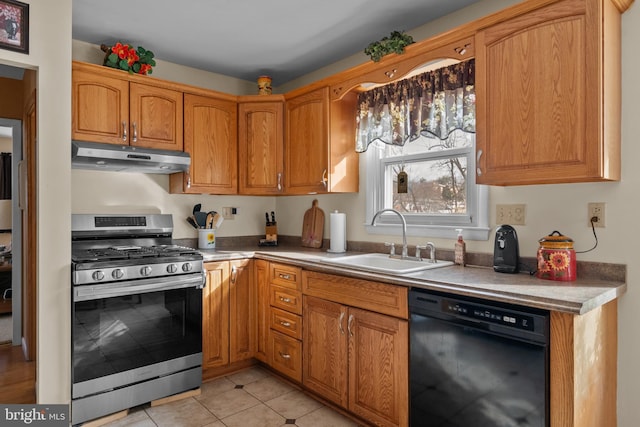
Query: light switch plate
column 510, row 214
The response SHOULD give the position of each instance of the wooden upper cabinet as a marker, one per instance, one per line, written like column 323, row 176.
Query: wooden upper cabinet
column 155, row 114
column 210, row 137
column 110, row 108
column 307, row 136
column 260, row 147
column 100, row 108
column 548, row 95
column 319, row 144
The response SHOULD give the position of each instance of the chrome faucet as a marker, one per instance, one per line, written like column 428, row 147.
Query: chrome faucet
column 404, row 229
column 432, row 251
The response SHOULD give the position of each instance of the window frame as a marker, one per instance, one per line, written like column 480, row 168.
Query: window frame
column 475, row 224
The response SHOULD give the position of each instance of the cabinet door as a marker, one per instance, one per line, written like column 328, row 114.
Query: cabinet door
column 242, row 320
column 100, row 108
column 210, row 130
column 540, row 112
column 215, row 315
column 324, row 361
column 378, row 367
column 260, row 147
column 262, row 285
column 155, row 114
column 307, row 143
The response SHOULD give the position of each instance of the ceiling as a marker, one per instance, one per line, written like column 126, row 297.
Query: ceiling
column 247, row 38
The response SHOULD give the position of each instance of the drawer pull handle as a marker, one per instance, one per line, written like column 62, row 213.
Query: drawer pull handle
column 124, row 131
column 287, row 300
column 340, row 322
column 285, row 276
column 285, row 355
column 285, row 324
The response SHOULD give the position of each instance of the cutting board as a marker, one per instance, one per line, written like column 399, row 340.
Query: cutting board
column 313, row 226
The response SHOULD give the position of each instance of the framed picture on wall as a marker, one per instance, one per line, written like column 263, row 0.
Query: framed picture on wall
column 14, row 26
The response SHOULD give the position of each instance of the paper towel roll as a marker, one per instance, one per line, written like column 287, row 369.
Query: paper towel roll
column 338, row 225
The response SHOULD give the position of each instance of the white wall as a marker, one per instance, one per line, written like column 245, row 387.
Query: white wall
column 110, row 192
column 50, row 54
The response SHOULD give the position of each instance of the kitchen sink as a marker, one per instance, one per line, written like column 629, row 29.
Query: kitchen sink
column 382, row 263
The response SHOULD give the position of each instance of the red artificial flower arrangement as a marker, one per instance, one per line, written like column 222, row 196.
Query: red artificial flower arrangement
column 125, row 57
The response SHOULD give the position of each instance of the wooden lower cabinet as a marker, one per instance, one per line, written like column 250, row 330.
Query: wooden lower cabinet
column 357, row 359
column 286, row 355
column 228, row 316
column 261, row 274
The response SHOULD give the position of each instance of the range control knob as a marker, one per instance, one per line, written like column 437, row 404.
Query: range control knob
column 187, row 267
column 97, row 275
column 172, row 268
column 117, row 274
column 145, row 271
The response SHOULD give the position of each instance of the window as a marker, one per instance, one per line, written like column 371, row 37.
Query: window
column 419, row 138
column 441, row 191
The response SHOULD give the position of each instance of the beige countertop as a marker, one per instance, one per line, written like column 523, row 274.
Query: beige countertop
column 577, row 297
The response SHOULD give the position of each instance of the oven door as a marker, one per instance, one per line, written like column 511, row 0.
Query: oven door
column 128, row 332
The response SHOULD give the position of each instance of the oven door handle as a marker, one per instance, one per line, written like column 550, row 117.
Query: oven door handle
column 133, row 287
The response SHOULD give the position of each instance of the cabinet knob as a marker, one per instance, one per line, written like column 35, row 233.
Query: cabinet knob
column 279, row 181
column 340, row 322
column 135, row 132
column 124, row 131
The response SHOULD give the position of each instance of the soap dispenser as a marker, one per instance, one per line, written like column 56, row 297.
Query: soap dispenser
column 460, row 249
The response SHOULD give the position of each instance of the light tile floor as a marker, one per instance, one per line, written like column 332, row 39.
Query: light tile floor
column 250, row 398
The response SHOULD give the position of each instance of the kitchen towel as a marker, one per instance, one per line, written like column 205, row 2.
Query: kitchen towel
column 338, row 224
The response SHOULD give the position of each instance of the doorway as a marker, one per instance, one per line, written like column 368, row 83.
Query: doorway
column 10, row 233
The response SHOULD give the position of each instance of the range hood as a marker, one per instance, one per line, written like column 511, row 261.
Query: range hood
column 123, row 158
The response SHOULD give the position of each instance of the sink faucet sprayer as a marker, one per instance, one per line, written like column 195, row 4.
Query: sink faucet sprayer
column 405, row 253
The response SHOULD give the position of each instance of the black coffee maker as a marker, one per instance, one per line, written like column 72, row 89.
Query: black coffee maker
column 505, row 250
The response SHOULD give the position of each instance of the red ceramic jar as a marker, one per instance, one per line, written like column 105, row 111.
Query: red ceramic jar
column 556, row 258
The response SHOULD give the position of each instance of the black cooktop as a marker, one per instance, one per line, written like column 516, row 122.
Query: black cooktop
column 130, row 252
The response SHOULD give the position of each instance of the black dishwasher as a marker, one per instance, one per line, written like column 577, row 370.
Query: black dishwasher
column 475, row 363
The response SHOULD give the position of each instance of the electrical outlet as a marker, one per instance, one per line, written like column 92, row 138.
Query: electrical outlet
column 510, row 214
column 228, row 213
column 596, row 210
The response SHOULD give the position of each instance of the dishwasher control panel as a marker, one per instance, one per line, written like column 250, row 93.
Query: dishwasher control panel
column 488, row 314
column 499, row 317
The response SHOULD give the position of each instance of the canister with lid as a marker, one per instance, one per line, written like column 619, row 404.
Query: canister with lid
column 556, row 258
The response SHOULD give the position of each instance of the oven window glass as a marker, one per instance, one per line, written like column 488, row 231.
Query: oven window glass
column 463, row 377
column 113, row 335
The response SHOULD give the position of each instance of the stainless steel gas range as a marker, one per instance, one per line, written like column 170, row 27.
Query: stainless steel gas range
column 137, row 313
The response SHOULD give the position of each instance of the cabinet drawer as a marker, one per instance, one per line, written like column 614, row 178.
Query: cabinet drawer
column 285, row 275
column 286, row 299
column 287, row 323
column 365, row 294
column 286, row 355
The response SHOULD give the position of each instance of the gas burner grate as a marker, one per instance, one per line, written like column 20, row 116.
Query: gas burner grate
column 130, row 252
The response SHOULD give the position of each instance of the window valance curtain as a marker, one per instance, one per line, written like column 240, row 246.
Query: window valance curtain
column 432, row 104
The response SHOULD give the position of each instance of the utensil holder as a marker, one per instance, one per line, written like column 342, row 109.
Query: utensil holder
column 206, row 238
